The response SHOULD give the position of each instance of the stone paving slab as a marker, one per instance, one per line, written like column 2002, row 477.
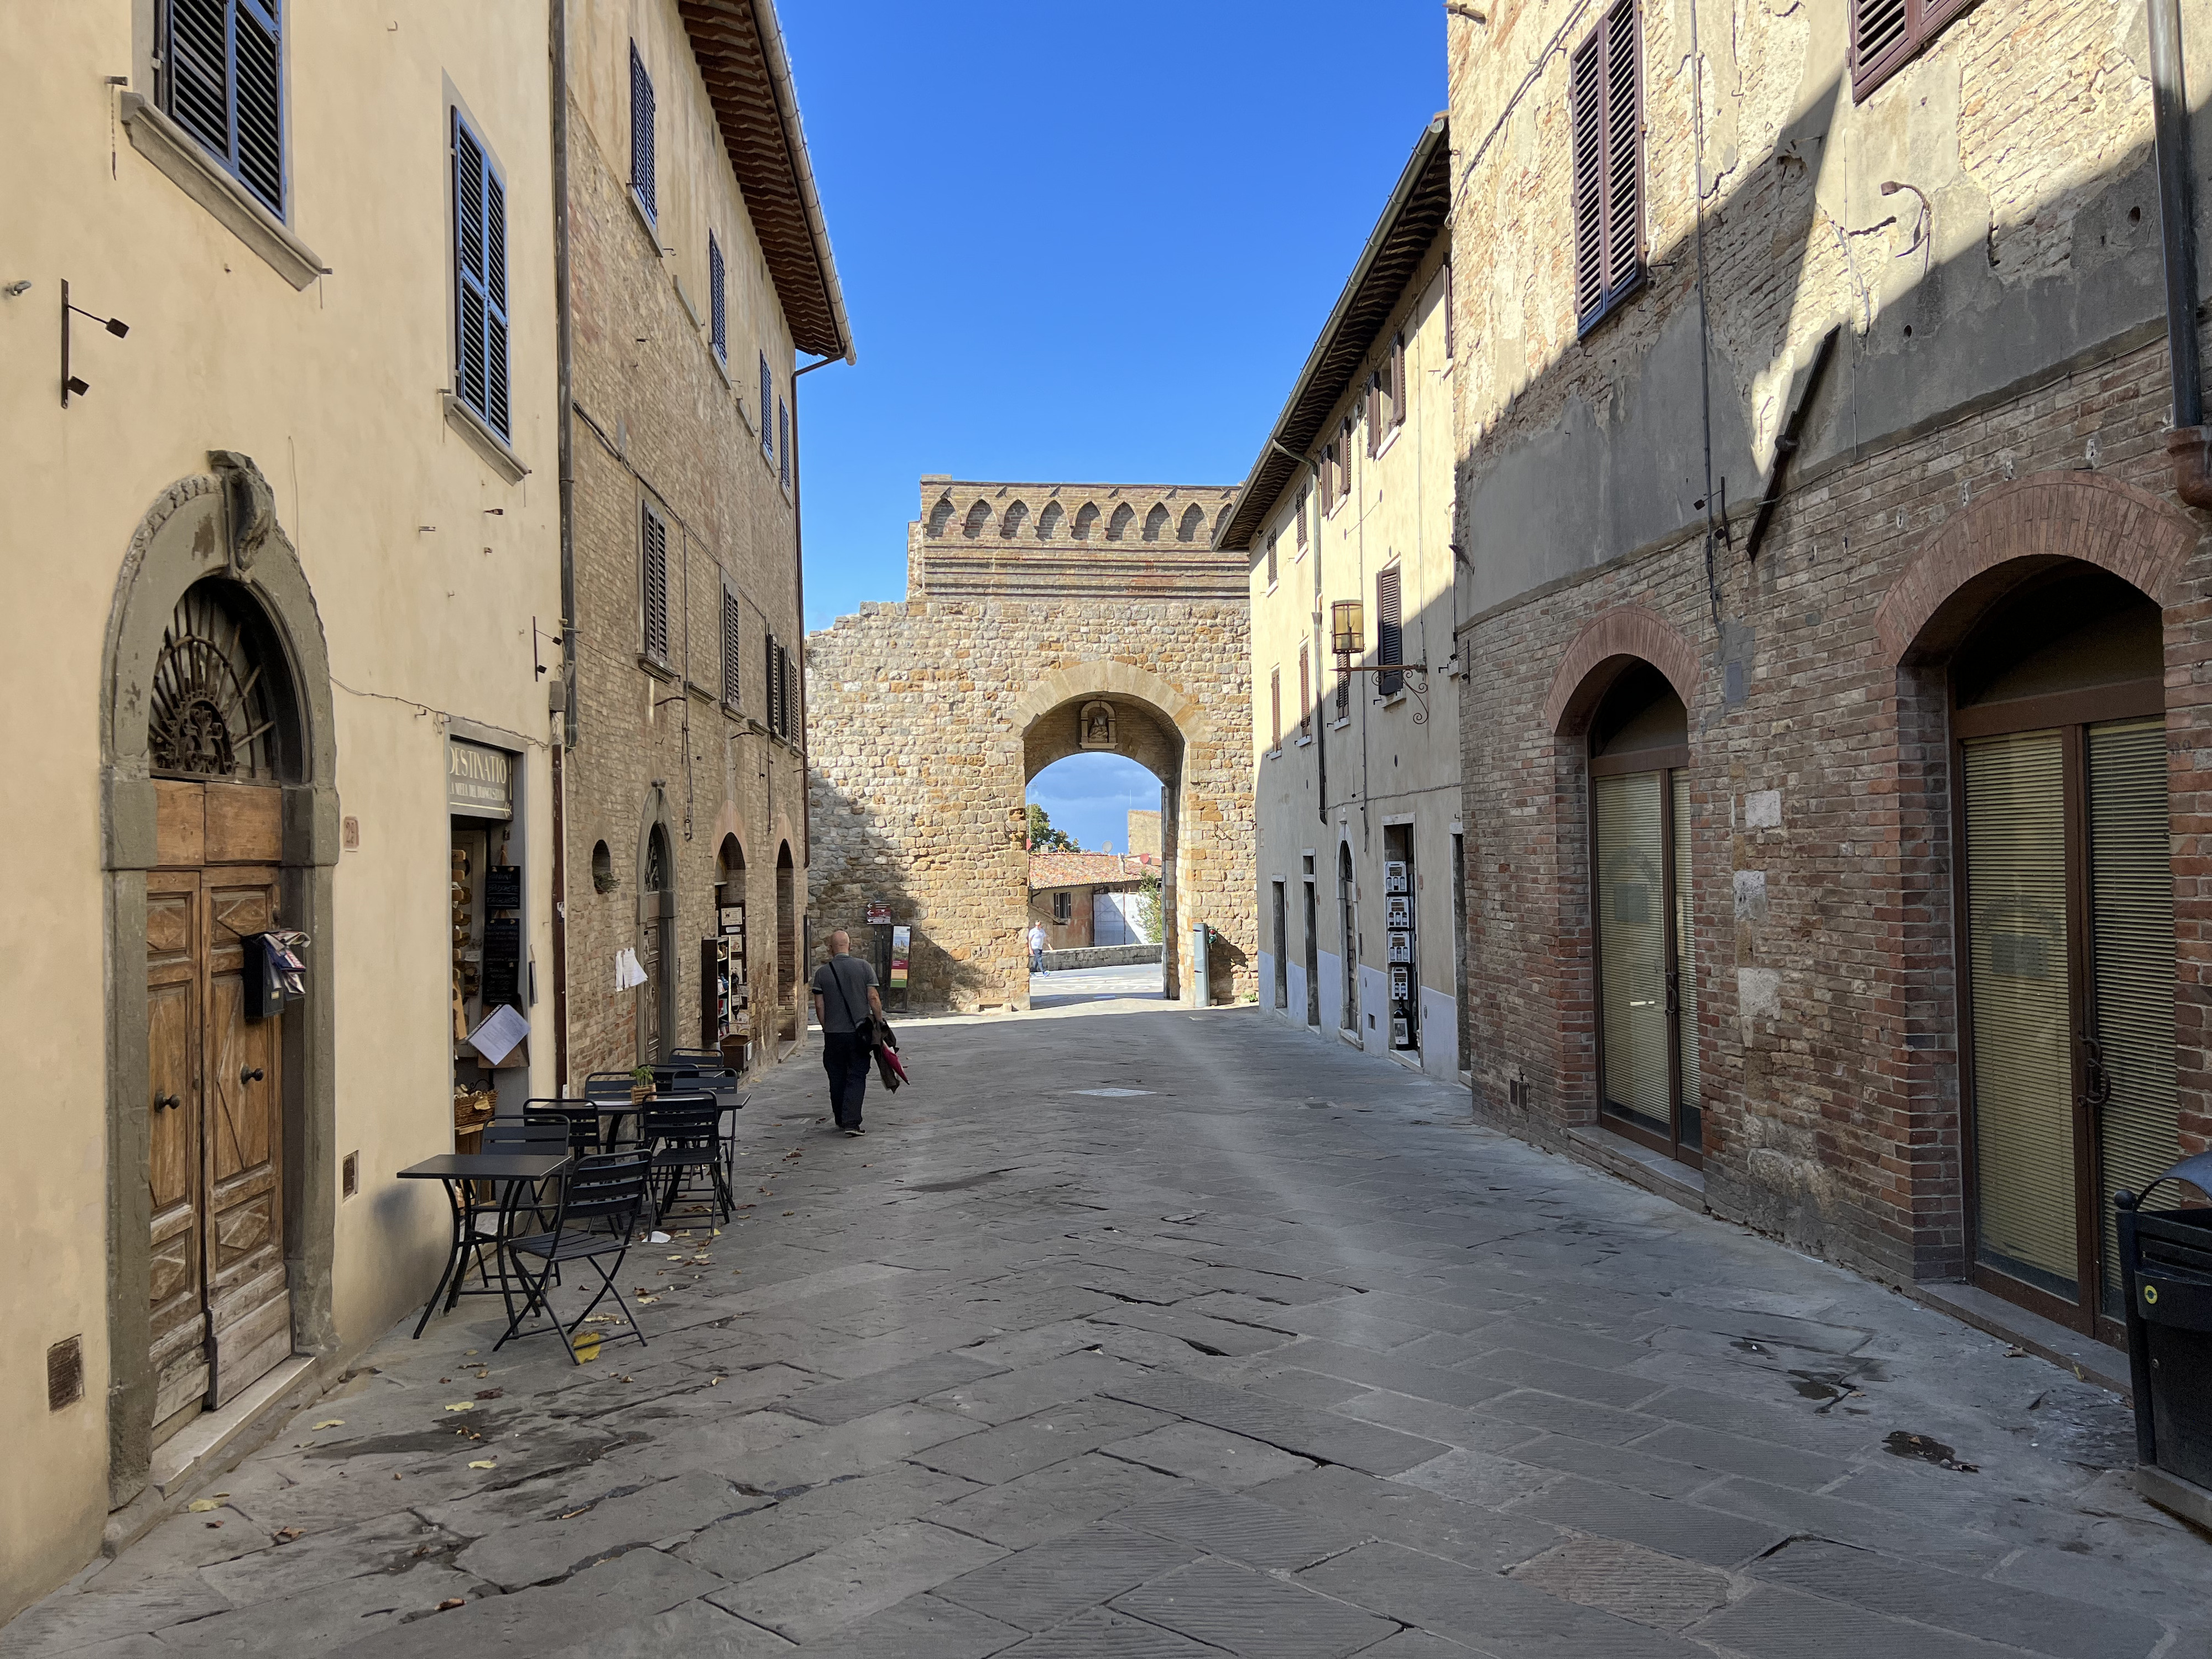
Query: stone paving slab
column 1570, row 1419
column 1231, row 1606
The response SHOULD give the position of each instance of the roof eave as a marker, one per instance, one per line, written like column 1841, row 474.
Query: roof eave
column 1236, row 536
column 802, row 168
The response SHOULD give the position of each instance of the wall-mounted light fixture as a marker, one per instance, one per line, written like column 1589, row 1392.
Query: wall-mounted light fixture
column 1347, row 626
column 115, row 326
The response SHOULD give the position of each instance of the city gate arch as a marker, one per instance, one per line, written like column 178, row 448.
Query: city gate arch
column 1041, row 621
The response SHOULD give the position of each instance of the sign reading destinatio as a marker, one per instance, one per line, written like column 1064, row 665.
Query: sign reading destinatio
column 479, row 781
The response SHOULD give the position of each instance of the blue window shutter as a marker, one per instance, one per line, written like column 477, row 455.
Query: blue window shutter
column 471, row 308
column 640, row 135
column 223, row 81
column 495, row 352
column 715, row 305
column 767, row 397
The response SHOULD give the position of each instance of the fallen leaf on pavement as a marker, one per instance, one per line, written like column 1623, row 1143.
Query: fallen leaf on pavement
column 490, row 1393
column 484, row 1463
column 450, row 1603
column 331, row 1422
column 202, row 1505
column 462, row 1405
column 285, row 1534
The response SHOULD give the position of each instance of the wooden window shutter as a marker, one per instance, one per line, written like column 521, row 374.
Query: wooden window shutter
column 783, row 443
column 222, row 80
column 1606, row 105
column 1390, row 633
column 1344, row 462
column 775, row 710
column 795, row 698
column 641, row 172
column 717, row 303
column 1304, row 502
column 732, row 647
column 767, row 397
column 1451, row 333
column 1327, row 477
column 1274, row 542
column 1398, row 382
column 480, row 345
column 1275, row 706
column 653, row 583
column 1887, row 34
column 1376, row 396
column 1305, row 690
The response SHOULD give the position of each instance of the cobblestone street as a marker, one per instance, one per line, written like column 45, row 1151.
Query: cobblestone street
column 1128, row 1331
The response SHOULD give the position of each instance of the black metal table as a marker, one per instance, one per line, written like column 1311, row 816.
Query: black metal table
column 504, row 1172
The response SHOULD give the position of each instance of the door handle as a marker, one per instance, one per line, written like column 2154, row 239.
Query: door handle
column 166, row 1102
column 2097, row 1090
column 249, row 1074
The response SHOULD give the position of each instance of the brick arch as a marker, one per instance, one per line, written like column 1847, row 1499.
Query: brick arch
column 1104, row 679
column 2087, row 516
column 1625, row 630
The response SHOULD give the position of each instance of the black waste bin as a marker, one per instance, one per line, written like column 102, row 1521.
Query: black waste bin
column 2165, row 1258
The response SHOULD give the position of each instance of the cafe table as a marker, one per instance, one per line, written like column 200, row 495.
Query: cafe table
column 465, row 1175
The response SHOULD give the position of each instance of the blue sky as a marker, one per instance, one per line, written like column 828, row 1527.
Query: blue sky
column 1080, row 242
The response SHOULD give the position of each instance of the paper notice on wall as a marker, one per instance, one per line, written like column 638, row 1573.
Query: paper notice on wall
column 628, row 974
column 496, row 1038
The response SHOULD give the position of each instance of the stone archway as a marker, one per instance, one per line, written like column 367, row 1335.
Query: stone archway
column 219, row 526
column 927, row 720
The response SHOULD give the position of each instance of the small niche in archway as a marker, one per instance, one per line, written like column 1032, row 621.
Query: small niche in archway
column 603, row 869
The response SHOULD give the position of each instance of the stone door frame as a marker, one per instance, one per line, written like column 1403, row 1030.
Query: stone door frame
column 221, row 523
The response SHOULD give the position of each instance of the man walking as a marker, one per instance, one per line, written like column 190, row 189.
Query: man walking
column 1038, row 942
column 843, row 985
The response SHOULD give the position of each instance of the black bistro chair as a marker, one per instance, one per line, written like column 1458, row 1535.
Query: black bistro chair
column 520, row 1208
column 596, row 1221
column 579, row 1119
column 610, row 1093
column 685, row 1133
column 720, row 1079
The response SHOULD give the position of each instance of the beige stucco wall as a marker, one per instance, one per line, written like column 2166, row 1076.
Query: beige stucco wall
column 333, row 390
column 1386, row 765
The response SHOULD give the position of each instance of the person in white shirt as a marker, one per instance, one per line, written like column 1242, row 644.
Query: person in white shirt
column 1038, row 942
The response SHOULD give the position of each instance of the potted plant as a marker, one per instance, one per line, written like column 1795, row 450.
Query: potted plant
column 641, row 1084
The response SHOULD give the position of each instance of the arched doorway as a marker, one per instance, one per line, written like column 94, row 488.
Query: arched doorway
column 728, row 1002
column 1117, row 723
column 1347, row 924
column 656, row 948
column 2066, row 931
column 787, row 944
column 220, row 823
column 223, row 739
column 1647, row 988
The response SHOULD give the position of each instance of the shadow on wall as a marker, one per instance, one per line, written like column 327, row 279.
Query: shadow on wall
column 866, row 869
column 1225, row 962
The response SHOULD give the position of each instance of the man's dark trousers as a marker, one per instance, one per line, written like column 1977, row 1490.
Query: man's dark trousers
column 846, row 1061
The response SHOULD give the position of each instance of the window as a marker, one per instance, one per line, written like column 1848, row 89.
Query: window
column 1395, row 367
column 767, row 397
column 480, row 354
column 222, row 80
column 1604, row 96
column 1888, row 35
column 1389, row 632
column 654, row 581
column 783, row 444
column 732, row 646
column 771, row 655
column 1274, row 542
column 1275, row 707
column 1063, row 907
column 1327, row 479
column 718, row 308
column 1303, row 496
column 1305, row 690
column 640, row 136
column 1451, row 337
column 1344, row 461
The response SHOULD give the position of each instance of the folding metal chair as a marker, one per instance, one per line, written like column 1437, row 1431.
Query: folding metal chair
column 720, row 1079
column 596, row 1219
column 581, row 1118
column 610, row 1093
column 685, row 1133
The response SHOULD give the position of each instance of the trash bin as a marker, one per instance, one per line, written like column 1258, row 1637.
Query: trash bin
column 2166, row 1261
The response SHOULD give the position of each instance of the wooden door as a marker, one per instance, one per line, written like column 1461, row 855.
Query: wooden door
column 219, row 1306
column 174, row 999
column 249, row 1312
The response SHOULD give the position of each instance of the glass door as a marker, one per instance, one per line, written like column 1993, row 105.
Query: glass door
column 1648, row 1073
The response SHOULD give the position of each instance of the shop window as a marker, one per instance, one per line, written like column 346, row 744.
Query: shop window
column 2066, row 902
column 222, row 79
column 1650, row 1081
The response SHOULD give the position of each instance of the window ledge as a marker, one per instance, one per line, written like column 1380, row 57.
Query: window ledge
column 1339, row 723
column 495, row 449
column 731, row 709
column 1301, row 742
column 196, row 173
column 683, row 295
column 723, row 369
column 645, row 221
column 1393, row 699
column 658, row 669
column 1389, row 439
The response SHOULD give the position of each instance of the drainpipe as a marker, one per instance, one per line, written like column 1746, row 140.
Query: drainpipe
column 558, row 10
column 1320, row 726
column 2188, row 444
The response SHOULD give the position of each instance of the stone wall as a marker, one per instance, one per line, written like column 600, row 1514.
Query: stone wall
column 659, row 420
column 929, row 717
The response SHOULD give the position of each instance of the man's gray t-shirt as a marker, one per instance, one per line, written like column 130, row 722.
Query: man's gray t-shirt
column 854, row 976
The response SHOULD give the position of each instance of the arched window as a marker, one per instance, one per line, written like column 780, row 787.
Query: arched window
column 1193, row 520
column 940, row 515
column 216, row 708
column 1117, row 527
column 1649, row 1079
column 2066, row 898
column 1087, row 521
column 1049, row 521
column 978, row 520
column 1156, row 523
column 1012, row 520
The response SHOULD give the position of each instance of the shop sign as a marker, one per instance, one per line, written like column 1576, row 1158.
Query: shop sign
column 902, row 943
column 479, row 781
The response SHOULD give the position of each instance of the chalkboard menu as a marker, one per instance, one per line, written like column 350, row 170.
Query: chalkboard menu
column 503, row 887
